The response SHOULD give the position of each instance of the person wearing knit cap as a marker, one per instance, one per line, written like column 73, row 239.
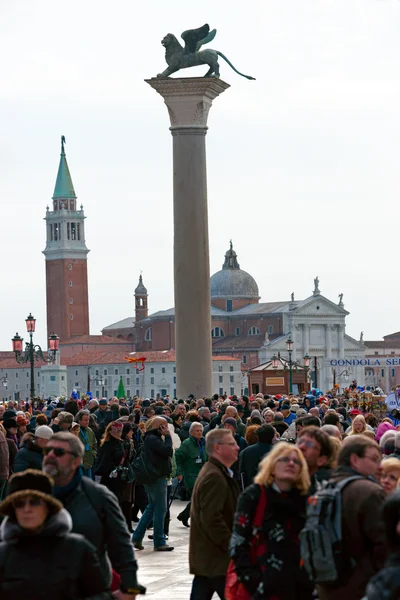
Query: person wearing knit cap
column 36, row 520
column 30, row 454
column 288, row 416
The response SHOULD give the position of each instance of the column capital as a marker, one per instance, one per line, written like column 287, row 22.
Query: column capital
column 188, row 99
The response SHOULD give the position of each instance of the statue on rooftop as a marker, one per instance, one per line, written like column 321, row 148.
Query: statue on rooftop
column 178, row 57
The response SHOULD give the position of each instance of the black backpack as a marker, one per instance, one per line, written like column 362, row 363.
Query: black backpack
column 321, row 540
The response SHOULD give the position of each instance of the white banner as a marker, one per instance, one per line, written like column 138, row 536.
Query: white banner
column 392, row 401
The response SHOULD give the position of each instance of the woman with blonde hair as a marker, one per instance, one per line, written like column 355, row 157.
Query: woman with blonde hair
column 270, row 514
column 358, row 426
column 390, row 473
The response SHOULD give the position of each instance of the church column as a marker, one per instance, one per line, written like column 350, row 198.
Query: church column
column 306, row 338
column 341, row 340
column 328, row 356
column 328, row 342
column 188, row 101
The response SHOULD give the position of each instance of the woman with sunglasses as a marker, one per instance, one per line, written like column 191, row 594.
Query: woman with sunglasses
column 278, row 497
column 36, row 534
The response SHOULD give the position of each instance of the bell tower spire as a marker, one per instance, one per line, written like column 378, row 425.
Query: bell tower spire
column 66, row 259
column 141, row 308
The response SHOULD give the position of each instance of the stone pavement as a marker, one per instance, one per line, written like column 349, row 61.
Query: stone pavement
column 166, row 574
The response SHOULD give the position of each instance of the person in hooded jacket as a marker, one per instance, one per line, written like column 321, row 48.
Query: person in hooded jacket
column 36, row 532
column 30, row 454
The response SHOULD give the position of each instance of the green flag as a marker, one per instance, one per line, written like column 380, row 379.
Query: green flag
column 121, row 389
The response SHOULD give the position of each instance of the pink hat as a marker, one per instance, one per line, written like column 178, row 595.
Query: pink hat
column 383, row 428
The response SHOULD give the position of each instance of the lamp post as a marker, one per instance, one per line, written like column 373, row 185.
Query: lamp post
column 289, row 348
column 306, row 362
column 33, row 351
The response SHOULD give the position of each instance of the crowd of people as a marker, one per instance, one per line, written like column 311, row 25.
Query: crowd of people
column 286, row 498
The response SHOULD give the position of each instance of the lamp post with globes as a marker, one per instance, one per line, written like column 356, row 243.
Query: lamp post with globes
column 33, row 351
column 275, row 360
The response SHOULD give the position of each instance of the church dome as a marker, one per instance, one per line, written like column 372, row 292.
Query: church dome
column 231, row 282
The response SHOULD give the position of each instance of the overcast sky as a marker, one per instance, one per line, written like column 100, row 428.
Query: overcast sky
column 302, row 163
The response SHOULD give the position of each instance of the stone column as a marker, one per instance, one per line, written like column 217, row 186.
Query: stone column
column 306, row 338
column 341, row 341
column 188, row 102
column 328, row 342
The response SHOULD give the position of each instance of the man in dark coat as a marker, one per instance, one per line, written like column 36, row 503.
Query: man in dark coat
column 363, row 527
column 251, row 456
column 214, row 501
column 94, row 510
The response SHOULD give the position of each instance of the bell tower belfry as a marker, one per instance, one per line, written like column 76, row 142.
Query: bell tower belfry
column 141, row 308
column 66, row 259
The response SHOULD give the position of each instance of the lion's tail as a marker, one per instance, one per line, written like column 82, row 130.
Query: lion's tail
column 231, row 65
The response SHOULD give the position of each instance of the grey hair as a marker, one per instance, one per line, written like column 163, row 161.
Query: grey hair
column 75, row 444
column 82, row 413
column 214, row 437
column 202, row 409
column 194, row 424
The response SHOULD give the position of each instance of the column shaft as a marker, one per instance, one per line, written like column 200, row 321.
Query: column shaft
column 191, row 264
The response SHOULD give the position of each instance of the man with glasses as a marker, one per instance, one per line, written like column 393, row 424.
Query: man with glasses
column 94, row 510
column 214, row 501
column 317, row 450
column 363, row 528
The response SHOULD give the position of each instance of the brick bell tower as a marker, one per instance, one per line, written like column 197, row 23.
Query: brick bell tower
column 66, row 260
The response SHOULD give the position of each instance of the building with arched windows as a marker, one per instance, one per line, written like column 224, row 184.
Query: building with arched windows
column 253, row 331
column 239, row 321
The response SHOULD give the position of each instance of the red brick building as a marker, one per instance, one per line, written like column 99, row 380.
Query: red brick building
column 239, row 321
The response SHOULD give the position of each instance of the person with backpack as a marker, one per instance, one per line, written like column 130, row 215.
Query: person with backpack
column 343, row 541
column 270, row 514
column 94, row 510
column 386, row 584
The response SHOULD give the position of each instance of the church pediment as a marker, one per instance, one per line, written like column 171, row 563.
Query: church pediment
column 319, row 306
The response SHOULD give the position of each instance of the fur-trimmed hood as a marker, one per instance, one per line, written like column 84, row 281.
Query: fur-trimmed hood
column 57, row 525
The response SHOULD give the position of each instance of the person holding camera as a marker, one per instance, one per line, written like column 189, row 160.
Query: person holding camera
column 111, row 456
column 158, row 453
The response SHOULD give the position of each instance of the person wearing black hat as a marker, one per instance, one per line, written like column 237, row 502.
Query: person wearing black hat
column 11, row 427
column 36, row 532
column 94, row 510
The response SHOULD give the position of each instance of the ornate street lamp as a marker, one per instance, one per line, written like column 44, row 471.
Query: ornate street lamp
column 275, row 361
column 33, row 351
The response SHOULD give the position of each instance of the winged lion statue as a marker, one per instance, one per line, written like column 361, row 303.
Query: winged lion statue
column 178, row 57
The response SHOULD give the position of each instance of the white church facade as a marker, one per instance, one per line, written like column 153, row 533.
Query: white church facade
column 317, row 327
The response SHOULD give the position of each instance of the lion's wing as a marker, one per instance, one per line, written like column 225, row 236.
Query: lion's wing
column 209, row 38
column 192, row 37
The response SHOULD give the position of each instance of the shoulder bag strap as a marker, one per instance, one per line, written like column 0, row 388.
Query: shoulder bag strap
column 261, row 506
